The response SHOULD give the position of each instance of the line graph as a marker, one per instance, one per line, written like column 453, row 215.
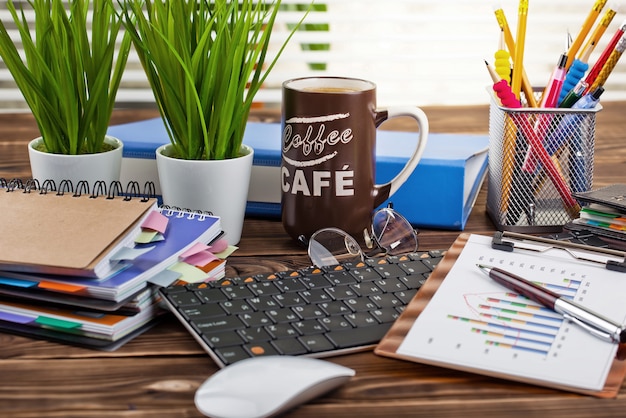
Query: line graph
column 510, row 321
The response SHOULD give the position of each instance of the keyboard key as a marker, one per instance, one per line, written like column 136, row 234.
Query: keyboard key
column 223, row 339
column 232, row 354
column 358, row 336
column 289, row 347
column 211, row 295
column 201, row 311
column 218, row 324
column 316, row 343
column 309, row 327
column 255, row 319
column 254, row 335
column 280, row 331
column 184, row 299
column 260, row 349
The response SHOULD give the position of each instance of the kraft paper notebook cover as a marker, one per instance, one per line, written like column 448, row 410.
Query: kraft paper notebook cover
column 66, row 234
column 462, row 319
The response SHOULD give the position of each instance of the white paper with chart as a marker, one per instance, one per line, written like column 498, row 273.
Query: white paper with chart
column 472, row 323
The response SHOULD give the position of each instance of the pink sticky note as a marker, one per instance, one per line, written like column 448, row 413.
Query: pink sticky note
column 218, row 246
column 195, row 249
column 200, row 259
column 155, row 221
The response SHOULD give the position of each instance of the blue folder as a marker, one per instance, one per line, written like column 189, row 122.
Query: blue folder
column 439, row 194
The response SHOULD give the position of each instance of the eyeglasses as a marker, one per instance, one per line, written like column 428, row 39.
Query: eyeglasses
column 390, row 233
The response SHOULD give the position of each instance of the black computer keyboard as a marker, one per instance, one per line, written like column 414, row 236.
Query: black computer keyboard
column 314, row 312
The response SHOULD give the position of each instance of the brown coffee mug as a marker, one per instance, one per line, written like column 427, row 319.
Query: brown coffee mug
column 328, row 166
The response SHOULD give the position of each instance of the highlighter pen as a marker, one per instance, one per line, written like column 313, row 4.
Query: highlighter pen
column 594, row 323
column 549, row 99
column 553, row 88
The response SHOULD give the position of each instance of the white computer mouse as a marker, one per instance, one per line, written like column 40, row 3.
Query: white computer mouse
column 267, row 385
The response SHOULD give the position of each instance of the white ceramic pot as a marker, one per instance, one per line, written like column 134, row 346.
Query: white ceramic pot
column 104, row 166
column 217, row 186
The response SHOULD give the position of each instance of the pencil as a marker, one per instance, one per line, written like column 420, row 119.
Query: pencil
column 584, row 31
column 581, row 64
column 520, row 41
column 597, row 67
column 596, row 35
column 510, row 44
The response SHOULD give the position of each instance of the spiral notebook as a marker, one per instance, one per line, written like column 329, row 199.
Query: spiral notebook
column 43, row 267
column 66, row 233
column 185, row 228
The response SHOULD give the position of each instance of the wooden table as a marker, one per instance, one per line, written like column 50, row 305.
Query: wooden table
column 156, row 374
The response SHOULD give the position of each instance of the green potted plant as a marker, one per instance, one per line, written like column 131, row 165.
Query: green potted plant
column 205, row 61
column 69, row 77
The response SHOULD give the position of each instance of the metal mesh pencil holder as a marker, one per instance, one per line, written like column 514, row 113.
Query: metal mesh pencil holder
column 538, row 157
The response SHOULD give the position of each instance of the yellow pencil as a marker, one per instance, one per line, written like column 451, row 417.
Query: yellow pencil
column 520, row 41
column 510, row 44
column 584, row 31
column 597, row 33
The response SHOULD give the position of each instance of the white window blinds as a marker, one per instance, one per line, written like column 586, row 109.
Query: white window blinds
column 417, row 51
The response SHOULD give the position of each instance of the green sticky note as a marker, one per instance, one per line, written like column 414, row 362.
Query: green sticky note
column 56, row 323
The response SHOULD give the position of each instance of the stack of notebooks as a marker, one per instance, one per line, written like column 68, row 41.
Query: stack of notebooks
column 84, row 269
column 603, row 214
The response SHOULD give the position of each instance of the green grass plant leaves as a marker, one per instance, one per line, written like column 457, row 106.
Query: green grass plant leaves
column 70, row 73
column 205, row 61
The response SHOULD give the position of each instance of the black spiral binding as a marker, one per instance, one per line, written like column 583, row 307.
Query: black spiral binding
column 114, row 190
column 100, row 188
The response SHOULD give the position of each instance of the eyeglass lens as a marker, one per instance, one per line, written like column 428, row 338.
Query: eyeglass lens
column 393, row 232
column 331, row 246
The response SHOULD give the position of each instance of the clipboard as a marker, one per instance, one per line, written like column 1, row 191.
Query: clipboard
column 390, row 344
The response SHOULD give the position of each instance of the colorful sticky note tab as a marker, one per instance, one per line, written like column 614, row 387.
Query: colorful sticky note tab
column 9, row 281
column 56, row 323
column 227, row 252
column 193, row 250
column 60, row 287
column 165, row 278
column 200, row 259
column 218, row 246
column 188, row 273
column 16, row 318
column 155, row 221
column 148, row 236
column 127, row 253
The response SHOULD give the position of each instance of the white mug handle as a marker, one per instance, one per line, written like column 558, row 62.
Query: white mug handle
column 385, row 191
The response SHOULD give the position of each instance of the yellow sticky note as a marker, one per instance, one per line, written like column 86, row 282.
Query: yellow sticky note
column 189, row 273
column 147, row 236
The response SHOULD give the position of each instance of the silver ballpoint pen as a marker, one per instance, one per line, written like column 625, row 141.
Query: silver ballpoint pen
column 593, row 322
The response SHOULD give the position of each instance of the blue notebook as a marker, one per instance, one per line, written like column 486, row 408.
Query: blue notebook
column 183, row 231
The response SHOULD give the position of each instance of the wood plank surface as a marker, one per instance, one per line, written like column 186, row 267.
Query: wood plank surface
column 156, row 374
